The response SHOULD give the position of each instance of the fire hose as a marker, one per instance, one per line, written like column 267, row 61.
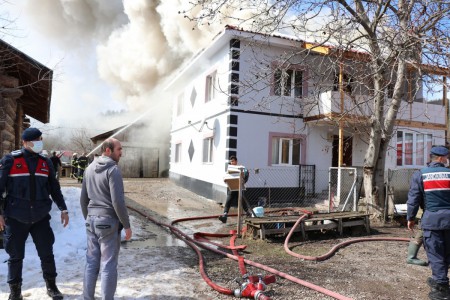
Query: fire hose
column 195, row 244
column 335, row 248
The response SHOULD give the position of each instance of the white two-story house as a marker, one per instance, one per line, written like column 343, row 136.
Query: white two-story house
column 279, row 109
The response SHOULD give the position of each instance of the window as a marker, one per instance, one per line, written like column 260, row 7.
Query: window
column 180, row 104
column 347, row 83
column 177, row 157
column 420, row 147
column 413, row 149
column 208, row 150
column 285, row 151
column 210, row 87
column 288, row 82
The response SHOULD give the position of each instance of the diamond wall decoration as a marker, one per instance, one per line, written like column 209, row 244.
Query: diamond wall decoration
column 193, row 96
column 191, row 150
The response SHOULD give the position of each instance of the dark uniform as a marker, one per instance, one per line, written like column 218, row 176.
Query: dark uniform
column 430, row 186
column 82, row 163
column 74, row 165
column 27, row 179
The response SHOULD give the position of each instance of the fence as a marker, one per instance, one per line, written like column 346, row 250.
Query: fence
column 344, row 188
column 304, row 186
column 335, row 189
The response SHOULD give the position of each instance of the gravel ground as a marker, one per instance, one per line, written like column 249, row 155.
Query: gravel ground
column 364, row 270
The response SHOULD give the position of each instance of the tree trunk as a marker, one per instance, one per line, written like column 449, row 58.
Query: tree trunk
column 379, row 183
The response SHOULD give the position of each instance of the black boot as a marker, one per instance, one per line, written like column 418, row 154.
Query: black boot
column 223, row 218
column 16, row 291
column 52, row 290
column 438, row 291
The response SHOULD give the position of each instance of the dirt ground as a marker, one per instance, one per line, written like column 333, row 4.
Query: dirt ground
column 364, row 270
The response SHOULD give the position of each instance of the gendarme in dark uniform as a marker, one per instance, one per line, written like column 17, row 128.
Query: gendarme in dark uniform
column 430, row 187
column 27, row 179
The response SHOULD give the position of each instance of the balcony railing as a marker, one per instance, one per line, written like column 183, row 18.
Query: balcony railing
column 329, row 107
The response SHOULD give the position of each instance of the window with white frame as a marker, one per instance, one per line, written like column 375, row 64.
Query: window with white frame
column 180, row 104
column 210, row 92
column 285, row 151
column 208, row 150
column 177, row 157
column 413, row 149
column 288, row 82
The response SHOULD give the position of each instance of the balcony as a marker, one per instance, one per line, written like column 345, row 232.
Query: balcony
column 357, row 109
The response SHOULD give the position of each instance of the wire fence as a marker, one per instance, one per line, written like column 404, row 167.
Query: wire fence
column 344, row 188
column 335, row 189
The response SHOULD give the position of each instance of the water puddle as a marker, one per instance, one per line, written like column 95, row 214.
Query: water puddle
column 151, row 235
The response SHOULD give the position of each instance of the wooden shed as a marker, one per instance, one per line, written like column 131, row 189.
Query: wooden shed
column 141, row 157
column 25, row 90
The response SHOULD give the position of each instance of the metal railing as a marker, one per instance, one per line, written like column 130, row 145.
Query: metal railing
column 344, row 186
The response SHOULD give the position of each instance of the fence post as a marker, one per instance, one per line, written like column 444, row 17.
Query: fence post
column 239, row 212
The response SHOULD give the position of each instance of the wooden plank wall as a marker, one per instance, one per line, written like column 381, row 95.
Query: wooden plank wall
column 10, row 114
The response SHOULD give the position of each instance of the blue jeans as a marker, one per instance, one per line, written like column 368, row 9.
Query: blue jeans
column 15, row 236
column 102, row 254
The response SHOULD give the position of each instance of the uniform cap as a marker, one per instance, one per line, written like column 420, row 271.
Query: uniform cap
column 31, row 134
column 439, row 151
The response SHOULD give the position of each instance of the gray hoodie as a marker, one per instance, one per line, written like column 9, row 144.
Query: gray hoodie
column 102, row 192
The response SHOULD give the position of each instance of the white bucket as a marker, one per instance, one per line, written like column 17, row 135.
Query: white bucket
column 259, row 211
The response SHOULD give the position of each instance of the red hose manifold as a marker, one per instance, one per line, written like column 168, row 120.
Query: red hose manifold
column 254, row 286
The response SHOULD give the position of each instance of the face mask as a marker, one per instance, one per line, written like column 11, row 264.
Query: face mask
column 446, row 163
column 37, row 146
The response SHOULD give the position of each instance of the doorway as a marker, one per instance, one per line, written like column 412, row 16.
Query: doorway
column 347, row 151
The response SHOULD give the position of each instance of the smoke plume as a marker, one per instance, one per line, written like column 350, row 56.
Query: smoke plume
column 138, row 43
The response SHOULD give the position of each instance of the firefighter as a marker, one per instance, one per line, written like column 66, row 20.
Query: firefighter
column 82, row 165
column 74, row 165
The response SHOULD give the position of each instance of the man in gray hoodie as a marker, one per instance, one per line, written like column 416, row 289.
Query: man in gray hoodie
column 103, row 205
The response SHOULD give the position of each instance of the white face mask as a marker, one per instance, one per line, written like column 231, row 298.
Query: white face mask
column 37, row 146
column 446, row 163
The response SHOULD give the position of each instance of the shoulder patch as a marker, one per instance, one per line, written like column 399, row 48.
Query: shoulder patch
column 16, row 153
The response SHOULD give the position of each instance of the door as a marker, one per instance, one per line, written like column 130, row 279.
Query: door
column 139, row 162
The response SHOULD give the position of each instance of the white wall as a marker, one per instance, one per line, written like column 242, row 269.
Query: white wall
column 422, row 112
column 259, row 114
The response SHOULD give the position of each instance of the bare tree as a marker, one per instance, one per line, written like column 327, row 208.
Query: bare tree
column 54, row 143
column 386, row 46
column 80, row 141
